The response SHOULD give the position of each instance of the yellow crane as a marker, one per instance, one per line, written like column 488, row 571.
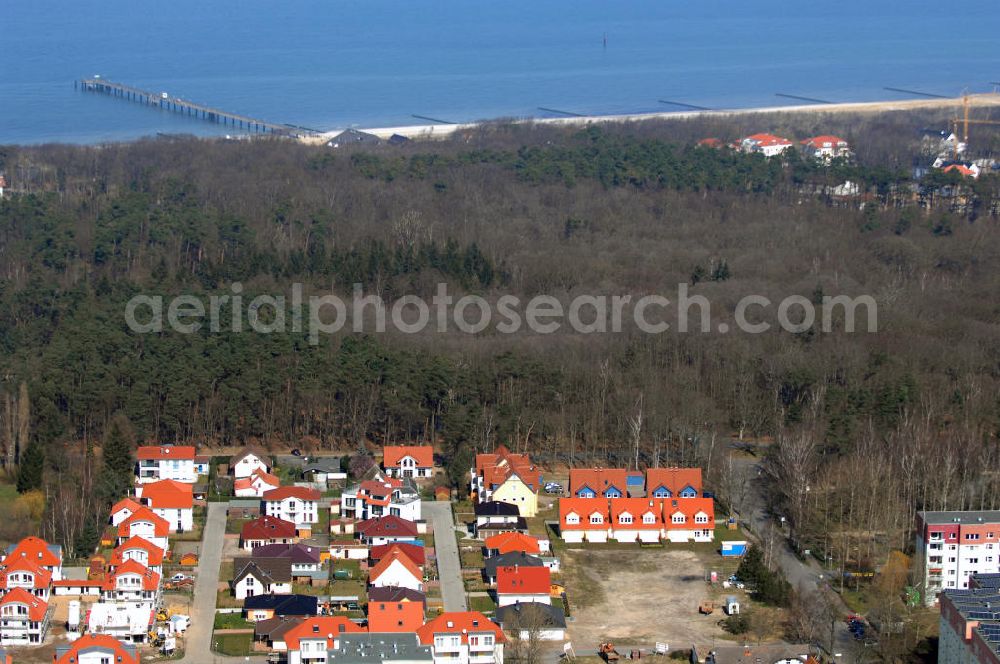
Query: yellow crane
column 965, row 121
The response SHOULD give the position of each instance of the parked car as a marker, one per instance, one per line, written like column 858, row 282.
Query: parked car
column 180, row 576
column 296, row 452
column 553, row 487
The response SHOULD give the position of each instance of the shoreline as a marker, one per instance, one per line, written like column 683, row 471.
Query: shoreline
column 436, row 131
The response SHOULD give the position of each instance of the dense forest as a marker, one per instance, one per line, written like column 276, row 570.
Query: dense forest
column 909, row 414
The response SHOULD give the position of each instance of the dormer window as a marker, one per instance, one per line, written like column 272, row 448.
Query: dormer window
column 625, row 518
column 678, row 518
column 649, row 517
column 572, row 518
column 596, row 518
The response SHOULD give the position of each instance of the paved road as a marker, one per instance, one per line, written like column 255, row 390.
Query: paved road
column 198, row 640
column 448, row 561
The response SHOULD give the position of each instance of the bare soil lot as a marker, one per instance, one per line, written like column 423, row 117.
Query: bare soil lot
column 635, row 597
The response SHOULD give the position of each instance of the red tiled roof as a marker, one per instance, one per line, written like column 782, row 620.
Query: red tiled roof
column 328, row 627
column 520, row 580
column 154, row 553
column 637, row 508
column 413, row 551
column 392, row 455
column 460, row 623
column 150, row 579
column 257, row 475
column 267, row 527
column 153, row 452
column 768, row 139
column 123, row 504
column 395, row 616
column 513, row 541
column 598, row 480
column 37, row 549
column 582, row 507
column 300, row 492
column 821, row 141
column 386, row 526
column 689, row 507
column 964, row 170
column 43, row 577
column 673, row 479
column 36, row 605
column 168, row 494
column 160, row 526
column 386, row 562
column 496, row 468
column 88, row 642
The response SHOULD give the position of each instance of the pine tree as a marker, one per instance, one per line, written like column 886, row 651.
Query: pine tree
column 116, row 473
column 29, row 473
column 88, row 538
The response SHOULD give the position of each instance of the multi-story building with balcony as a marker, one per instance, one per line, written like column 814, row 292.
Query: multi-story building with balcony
column 952, row 546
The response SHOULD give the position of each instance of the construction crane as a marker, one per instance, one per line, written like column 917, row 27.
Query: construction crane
column 965, row 121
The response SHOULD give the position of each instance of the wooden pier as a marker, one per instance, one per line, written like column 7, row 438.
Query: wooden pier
column 183, row 106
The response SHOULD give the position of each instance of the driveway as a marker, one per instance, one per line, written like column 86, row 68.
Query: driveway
column 198, row 640
column 448, row 562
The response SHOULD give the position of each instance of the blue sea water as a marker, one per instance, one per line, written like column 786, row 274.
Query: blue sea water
column 328, row 64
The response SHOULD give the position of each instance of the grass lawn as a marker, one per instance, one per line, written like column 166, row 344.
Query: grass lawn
column 226, row 570
column 309, row 589
column 471, row 558
column 428, row 539
column 225, row 600
column 231, row 621
column 233, row 645
column 234, row 526
column 482, row 604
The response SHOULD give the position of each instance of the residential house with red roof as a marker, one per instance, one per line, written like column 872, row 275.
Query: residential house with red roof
column 768, row 145
column 601, row 482
column 414, row 552
column 96, row 649
column 141, row 551
column 165, row 462
column 584, row 519
column 689, row 520
column 513, row 542
column 463, row 637
column 826, row 147
column 507, row 477
column 24, row 573
column 387, row 617
column 123, row 509
column 267, row 530
column 248, row 462
column 171, row 500
column 673, row 482
column 415, row 461
column 636, row 520
column 381, row 497
column 311, row 641
column 145, row 524
column 523, row 585
column 396, row 570
column 386, row 530
column 256, row 484
column 45, row 555
column 131, row 582
column 295, row 504
column 24, row 618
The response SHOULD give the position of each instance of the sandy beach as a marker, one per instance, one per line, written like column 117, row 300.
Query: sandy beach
column 435, row 131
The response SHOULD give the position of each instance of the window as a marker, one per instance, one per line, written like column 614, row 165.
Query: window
column 678, row 518
column 649, row 517
column 596, row 518
column 701, row 518
column 625, row 518
column 936, row 535
column 971, row 536
column 973, row 561
column 488, row 640
column 572, row 519
column 662, row 492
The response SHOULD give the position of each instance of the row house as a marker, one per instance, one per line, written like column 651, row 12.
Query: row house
column 266, row 530
column 463, row 637
column 637, row 520
column 416, row 461
column 506, row 477
column 131, row 582
column 96, row 649
column 165, row 462
column 248, row 462
column 953, row 546
column 24, row 618
column 295, row 504
column 171, row 500
column 256, row 484
column 146, row 524
column 620, row 483
column 312, row 640
column 374, row 498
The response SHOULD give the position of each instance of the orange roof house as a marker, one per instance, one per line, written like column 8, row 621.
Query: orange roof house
column 167, row 494
column 461, row 624
column 395, row 616
column 521, row 580
column 266, row 530
column 637, row 514
column 494, row 469
column 321, row 628
column 673, row 482
column 396, row 569
column 690, row 514
column 13, row 574
column 123, row 509
column 41, row 552
column 592, row 482
column 165, row 452
column 414, row 552
column 137, row 548
column 300, row 492
column 149, row 579
column 257, row 483
column 145, row 515
column 99, row 646
column 36, row 606
column 512, row 541
column 583, row 514
column 408, row 460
